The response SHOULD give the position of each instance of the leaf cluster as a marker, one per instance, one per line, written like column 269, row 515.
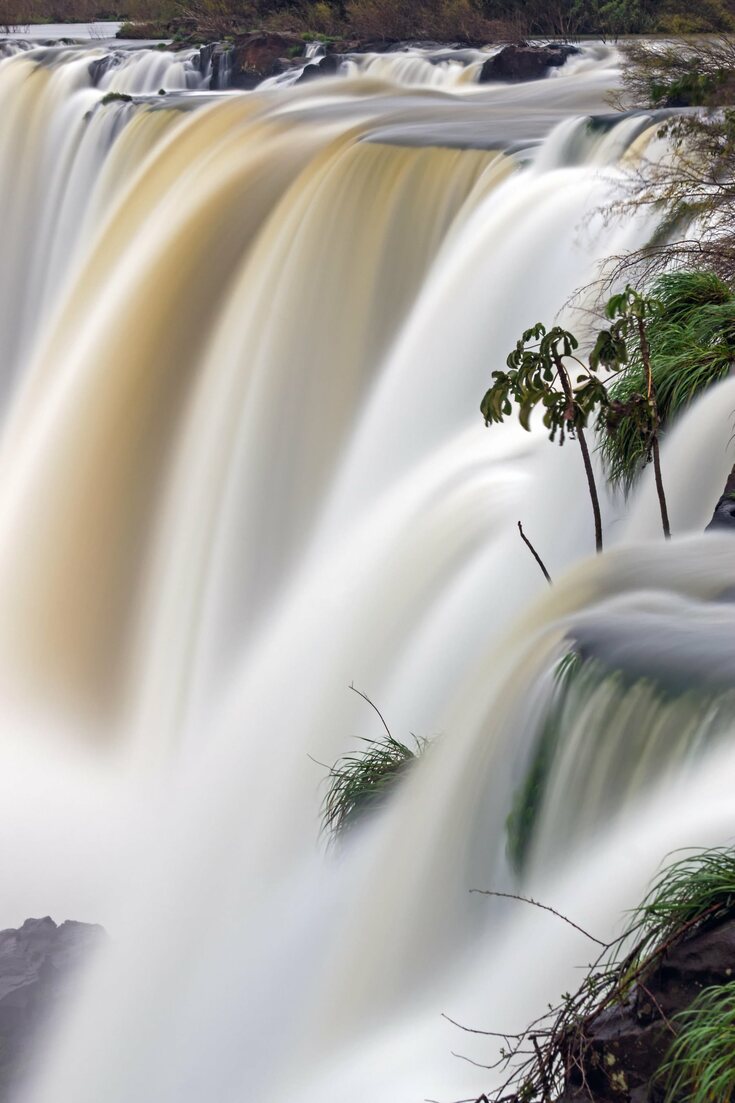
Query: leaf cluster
column 537, row 376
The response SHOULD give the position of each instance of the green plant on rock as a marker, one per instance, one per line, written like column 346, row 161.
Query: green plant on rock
column 701, row 1063
column 698, row 888
column 116, row 97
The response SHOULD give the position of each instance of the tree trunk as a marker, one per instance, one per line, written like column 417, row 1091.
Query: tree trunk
column 724, row 515
column 582, row 441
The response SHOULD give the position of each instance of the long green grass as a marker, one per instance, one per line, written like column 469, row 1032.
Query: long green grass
column 700, row 1067
column 359, row 783
column 692, row 343
column 698, row 888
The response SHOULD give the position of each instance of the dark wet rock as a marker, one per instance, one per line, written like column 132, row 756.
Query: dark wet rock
column 322, row 67
column 37, row 962
column 258, row 56
column 516, row 63
column 249, row 60
column 102, row 65
column 627, row 1045
column 216, row 60
column 724, row 515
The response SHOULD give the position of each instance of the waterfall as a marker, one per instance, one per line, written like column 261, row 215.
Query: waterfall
column 244, row 339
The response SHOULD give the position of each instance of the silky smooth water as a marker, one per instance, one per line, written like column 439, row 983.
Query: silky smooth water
column 243, row 343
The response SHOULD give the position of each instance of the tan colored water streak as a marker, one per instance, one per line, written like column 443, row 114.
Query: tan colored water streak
column 86, row 475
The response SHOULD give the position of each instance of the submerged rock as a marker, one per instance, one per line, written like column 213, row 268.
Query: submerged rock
column 516, row 63
column 36, row 963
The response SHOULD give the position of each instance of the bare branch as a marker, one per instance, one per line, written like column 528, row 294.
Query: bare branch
column 543, row 907
column 534, row 553
column 373, row 706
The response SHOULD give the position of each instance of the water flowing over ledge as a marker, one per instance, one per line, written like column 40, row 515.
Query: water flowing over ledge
column 244, row 339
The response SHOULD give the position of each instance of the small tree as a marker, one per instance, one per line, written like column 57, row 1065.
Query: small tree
column 541, row 371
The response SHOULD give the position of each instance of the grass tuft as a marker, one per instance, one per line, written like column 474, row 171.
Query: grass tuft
column 698, row 888
column 692, row 342
column 701, row 1063
column 360, row 783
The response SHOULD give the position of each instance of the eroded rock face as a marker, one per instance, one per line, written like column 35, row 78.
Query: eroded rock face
column 627, row 1045
column 516, row 63
column 249, row 59
column 323, row 67
column 37, row 962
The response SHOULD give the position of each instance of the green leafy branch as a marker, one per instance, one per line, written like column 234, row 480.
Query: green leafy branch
column 545, row 371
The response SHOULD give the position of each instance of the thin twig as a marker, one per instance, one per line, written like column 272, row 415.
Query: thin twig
column 534, row 553
column 544, row 907
column 373, row 706
column 487, row 1033
column 542, row 1070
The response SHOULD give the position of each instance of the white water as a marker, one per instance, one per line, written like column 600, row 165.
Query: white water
column 244, row 340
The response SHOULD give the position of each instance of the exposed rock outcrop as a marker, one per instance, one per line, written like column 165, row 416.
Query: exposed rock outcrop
column 250, row 59
column 323, row 67
column 516, row 63
column 627, row 1045
column 36, row 963
column 724, row 514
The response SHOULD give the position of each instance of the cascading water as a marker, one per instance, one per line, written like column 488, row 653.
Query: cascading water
column 244, row 339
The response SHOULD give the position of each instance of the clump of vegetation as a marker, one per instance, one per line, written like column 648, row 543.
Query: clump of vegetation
column 553, row 1054
column 540, row 374
column 701, row 1064
column 691, row 345
column 659, row 352
column 116, row 97
column 698, row 888
column 360, row 783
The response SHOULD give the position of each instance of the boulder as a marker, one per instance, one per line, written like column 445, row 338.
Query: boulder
column 261, row 55
column 323, row 67
column 516, row 63
column 249, row 59
column 37, row 962
column 724, row 515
